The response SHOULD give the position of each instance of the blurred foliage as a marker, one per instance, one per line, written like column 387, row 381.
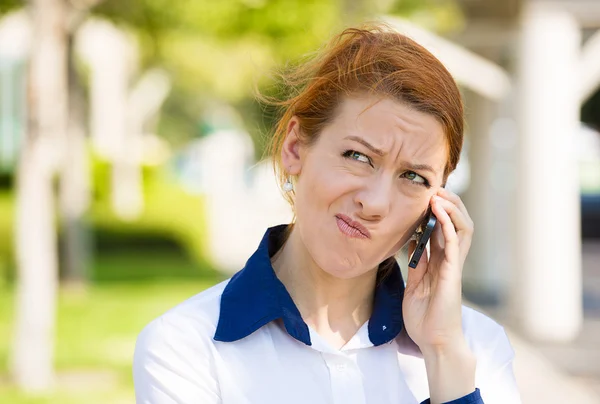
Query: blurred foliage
column 218, row 49
column 441, row 16
column 170, row 214
column 226, row 49
column 7, row 5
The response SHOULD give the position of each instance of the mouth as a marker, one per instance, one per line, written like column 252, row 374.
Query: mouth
column 351, row 228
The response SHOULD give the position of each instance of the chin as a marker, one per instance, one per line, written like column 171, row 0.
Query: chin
column 335, row 257
column 340, row 267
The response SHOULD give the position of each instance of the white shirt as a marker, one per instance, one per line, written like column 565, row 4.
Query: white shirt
column 243, row 341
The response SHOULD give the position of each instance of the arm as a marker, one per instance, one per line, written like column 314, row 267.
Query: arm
column 432, row 310
column 432, row 305
column 173, row 365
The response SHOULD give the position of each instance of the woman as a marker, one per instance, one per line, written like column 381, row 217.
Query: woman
column 320, row 313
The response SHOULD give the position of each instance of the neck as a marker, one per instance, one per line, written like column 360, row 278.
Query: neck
column 328, row 304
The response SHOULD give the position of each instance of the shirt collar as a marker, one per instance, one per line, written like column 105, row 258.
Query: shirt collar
column 255, row 296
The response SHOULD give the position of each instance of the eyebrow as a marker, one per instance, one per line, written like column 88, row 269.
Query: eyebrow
column 379, row 152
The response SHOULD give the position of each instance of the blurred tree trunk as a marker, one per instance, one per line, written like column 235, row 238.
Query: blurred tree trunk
column 74, row 191
column 32, row 360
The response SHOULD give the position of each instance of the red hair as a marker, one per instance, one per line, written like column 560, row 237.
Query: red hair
column 373, row 59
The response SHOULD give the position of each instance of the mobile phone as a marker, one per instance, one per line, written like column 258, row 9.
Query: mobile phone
column 422, row 241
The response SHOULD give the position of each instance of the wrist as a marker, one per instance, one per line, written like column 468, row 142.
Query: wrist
column 450, row 371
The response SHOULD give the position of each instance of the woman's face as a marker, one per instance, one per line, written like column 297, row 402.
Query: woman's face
column 365, row 185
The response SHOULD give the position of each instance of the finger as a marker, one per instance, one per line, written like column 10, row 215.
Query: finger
column 462, row 223
column 451, row 241
column 437, row 239
column 463, row 227
column 415, row 275
column 455, row 199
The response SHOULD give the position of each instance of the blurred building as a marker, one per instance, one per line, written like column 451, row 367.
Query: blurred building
column 15, row 38
column 525, row 155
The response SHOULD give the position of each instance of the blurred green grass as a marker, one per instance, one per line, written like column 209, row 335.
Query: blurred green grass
column 96, row 330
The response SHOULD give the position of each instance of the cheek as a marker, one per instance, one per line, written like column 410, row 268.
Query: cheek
column 407, row 215
column 323, row 182
column 312, row 194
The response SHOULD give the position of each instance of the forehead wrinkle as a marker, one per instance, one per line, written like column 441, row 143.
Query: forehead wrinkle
column 411, row 134
column 388, row 149
column 411, row 126
column 415, row 127
column 422, row 148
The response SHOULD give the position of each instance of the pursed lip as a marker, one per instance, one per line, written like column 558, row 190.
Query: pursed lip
column 352, row 223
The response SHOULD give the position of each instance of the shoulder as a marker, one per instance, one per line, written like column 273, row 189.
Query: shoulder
column 485, row 336
column 175, row 356
column 190, row 323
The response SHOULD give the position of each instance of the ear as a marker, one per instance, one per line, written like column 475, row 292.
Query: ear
column 290, row 151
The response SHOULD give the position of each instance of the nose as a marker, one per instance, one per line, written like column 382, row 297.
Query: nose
column 374, row 199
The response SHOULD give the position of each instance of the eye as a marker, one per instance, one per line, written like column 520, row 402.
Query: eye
column 416, row 178
column 354, row 155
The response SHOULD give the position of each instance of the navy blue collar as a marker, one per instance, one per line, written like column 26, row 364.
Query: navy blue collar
column 255, row 296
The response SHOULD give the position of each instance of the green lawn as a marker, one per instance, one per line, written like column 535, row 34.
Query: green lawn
column 96, row 335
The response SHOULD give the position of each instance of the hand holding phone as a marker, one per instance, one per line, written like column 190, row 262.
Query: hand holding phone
column 432, row 302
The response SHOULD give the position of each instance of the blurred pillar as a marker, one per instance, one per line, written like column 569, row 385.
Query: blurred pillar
column 483, row 281
column 32, row 353
column 547, row 293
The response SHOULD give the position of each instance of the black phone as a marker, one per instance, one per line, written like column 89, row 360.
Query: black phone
column 429, row 224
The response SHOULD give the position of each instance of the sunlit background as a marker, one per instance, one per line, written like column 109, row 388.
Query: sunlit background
column 132, row 177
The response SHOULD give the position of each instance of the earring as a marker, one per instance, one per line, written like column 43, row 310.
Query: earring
column 287, row 185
